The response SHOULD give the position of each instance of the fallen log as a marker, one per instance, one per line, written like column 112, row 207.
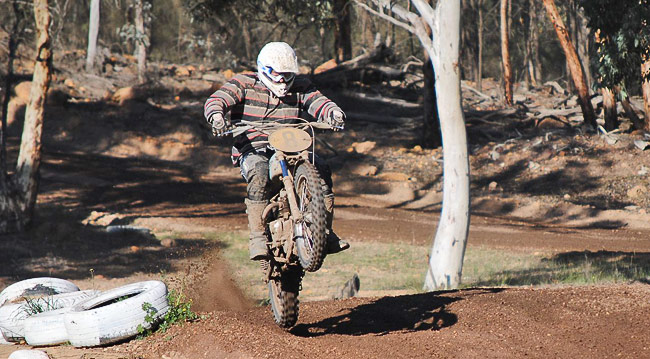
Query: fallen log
column 477, row 92
column 364, row 68
column 556, row 86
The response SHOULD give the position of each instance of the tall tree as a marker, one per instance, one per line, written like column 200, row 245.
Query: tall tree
column 442, row 45
column 622, row 33
column 609, row 109
column 13, row 32
column 532, row 62
column 505, row 52
column 479, row 41
column 18, row 192
column 93, row 32
column 141, row 43
column 575, row 66
column 342, row 31
column 645, row 74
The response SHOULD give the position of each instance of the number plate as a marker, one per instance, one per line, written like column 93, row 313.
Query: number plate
column 290, row 140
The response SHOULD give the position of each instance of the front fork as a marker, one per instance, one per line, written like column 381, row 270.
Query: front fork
column 287, row 180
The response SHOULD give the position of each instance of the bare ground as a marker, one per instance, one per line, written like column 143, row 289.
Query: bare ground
column 552, row 190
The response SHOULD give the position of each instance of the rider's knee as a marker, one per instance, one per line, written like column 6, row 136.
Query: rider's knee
column 258, row 182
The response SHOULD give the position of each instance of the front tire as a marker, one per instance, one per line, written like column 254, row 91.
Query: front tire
column 283, row 296
column 312, row 246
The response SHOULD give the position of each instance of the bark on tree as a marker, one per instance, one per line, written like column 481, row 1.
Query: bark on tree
column 141, row 48
column 479, row 65
column 12, row 44
column 532, row 62
column 577, row 74
column 505, row 53
column 342, row 31
column 93, row 31
column 645, row 71
column 18, row 195
column 468, row 41
column 629, row 112
column 582, row 41
column 609, row 109
column 448, row 249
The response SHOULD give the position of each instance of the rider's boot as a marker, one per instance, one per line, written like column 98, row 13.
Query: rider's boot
column 334, row 243
column 257, row 244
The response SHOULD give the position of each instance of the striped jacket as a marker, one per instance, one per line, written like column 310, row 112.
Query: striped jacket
column 244, row 97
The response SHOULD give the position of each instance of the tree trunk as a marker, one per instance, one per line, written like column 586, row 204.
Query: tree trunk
column 448, row 249
column 583, row 39
column 532, row 46
column 505, row 53
column 12, row 44
column 609, row 109
column 93, row 31
column 645, row 71
column 577, row 73
column 18, row 197
column 479, row 65
column 629, row 112
column 246, row 35
column 431, row 134
column 342, row 31
column 141, row 48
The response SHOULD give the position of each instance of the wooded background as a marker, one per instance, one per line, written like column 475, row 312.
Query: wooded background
column 227, row 34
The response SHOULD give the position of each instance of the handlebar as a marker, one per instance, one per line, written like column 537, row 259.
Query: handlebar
column 268, row 127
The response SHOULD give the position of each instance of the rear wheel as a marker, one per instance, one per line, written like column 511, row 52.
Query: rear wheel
column 283, row 296
column 311, row 246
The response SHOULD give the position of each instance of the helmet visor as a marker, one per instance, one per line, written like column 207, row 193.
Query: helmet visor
column 279, row 77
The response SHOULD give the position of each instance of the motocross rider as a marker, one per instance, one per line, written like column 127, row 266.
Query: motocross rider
column 273, row 93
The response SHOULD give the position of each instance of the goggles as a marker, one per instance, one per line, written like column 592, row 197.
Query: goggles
column 275, row 76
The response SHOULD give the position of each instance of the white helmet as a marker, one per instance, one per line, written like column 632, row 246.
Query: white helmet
column 277, row 66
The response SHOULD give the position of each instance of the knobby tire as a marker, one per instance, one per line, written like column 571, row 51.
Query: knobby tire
column 309, row 192
column 283, row 295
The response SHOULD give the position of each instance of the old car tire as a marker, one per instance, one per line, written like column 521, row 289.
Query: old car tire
column 13, row 316
column 116, row 314
column 48, row 328
column 36, row 287
column 28, row 354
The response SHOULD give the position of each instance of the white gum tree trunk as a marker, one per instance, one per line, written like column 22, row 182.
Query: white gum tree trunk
column 448, row 249
column 93, row 31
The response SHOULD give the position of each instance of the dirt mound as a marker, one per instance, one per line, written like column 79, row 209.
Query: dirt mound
column 570, row 322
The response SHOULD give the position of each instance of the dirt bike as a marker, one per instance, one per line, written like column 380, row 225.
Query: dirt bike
column 295, row 218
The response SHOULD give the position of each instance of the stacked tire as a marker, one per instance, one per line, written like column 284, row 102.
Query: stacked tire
column 50, row 311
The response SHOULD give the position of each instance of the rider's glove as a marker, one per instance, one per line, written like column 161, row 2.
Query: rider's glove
column 219, row 125
column 336, row 120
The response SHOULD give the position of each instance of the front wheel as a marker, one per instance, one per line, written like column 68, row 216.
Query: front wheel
column 283, row 296
column 311, row 242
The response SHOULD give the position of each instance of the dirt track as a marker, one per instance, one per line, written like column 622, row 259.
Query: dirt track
column 189, row 184
column 588, row 322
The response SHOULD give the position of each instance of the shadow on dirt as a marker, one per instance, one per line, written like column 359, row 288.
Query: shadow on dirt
column 386, row 315
column 62, row 247
column 77, row 179
column 578, row 266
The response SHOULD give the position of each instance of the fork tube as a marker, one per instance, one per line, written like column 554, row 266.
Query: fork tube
column 287, row 180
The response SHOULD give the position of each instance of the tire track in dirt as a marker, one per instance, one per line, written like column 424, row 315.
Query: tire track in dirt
column 565, row 322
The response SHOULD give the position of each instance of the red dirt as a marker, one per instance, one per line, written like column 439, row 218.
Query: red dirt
column 140, row 164
column 566, row 322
